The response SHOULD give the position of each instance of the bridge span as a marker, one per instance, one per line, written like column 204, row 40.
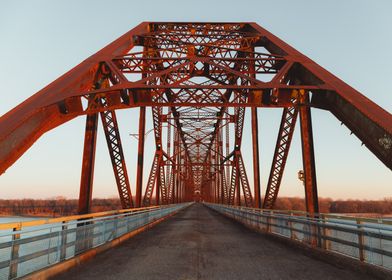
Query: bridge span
column 197, row 80
column 199, row 243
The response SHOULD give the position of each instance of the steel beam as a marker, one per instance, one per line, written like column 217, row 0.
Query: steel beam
column 158, row 192
column 256, row 160
column 152, row 178
column 140, row 156
column 87, row 177
column 244, row 182
column 308, row 155
column 282, row 148
column 113, row 140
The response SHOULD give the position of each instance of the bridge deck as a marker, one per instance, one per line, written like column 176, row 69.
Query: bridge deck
column 198, row 243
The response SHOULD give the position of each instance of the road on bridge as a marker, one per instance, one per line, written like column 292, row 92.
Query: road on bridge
column 199, row 243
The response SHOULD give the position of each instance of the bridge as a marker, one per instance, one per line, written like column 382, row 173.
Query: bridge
column 198, row 79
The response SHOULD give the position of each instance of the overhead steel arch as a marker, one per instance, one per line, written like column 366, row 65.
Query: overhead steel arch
column 198, row 78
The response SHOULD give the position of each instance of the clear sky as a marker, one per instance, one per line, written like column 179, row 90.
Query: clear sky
column 40, row 40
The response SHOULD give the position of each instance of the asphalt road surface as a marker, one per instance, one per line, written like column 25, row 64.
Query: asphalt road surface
column 198, row 243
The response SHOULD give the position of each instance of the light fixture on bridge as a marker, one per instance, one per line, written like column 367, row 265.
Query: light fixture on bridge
column 301, row 175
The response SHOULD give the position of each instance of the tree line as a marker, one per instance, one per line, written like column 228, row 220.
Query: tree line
column 53, row 207
column 328, row 205
column 63, row 207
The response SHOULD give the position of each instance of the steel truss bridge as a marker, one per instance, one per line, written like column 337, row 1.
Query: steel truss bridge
column 198, row 79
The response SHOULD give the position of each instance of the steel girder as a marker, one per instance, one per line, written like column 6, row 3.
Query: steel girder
column 192, row 75
column 112, row 134
column 285, row 135
column 88, row 163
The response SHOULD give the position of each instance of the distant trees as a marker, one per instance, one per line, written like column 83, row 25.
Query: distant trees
column 327, row 205
column 58, row 206
column 362, row 206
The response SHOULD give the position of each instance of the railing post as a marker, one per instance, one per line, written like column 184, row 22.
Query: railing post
column 325, row 233
column 104, row 232
column 360, row 241
column 269, row 227
column 290, row 224
column 63, row 248
column 83, row 234
column 317, row 230
column 115, row 227
column 260, row 219
column 13, row 272
column 128, row 218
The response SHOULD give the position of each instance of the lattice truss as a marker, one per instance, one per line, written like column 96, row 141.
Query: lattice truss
column 196, row 61
column 198, row 79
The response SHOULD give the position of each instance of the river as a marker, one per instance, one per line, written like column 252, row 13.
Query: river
column 12, row 219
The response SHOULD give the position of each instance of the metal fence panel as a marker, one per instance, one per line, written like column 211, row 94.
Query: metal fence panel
column 24, row 250
column 367, row 240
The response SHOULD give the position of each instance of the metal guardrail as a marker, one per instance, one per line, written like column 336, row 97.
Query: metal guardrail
column 27, row 247
column 368, row 240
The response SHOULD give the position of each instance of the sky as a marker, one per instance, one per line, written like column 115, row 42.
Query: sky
column 41, row 40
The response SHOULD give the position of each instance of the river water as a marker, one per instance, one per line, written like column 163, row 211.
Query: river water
column 12, row 219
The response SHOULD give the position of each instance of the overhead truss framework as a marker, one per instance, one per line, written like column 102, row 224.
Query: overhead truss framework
column 198, row 79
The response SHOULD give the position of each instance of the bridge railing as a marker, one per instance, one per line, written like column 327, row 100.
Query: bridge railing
column 365, row 239
column 27, row 247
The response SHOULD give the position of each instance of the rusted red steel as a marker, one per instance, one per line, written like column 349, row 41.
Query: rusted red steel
column 140, row 157
column 282, row 148
column 309, row 164
column 200, row 71
column 88, row 163
column 238, row 173
column 151, row 182
column 245, row 182
column 112, row 135
column 256, row 159
column 168, row 166
column 23, row 125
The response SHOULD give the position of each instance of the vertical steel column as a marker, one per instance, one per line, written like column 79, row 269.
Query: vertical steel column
column 256, row 160
column 86, row 182
column 180, row 173
column 308, row 154
column 216, row 167
column 176, row 199
column 178, row 164
column 158, row 180
column 174, row 169
column 169, row 166
column 220, row 168
column 140, row 156
column 237, row 180
column 227, row 146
